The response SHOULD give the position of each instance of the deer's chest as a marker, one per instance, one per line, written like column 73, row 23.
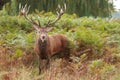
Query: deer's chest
column 43, row 50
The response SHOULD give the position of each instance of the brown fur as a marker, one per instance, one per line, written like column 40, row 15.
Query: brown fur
column 54, row 44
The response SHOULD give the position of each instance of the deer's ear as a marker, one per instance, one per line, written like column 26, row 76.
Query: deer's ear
column 49, row 29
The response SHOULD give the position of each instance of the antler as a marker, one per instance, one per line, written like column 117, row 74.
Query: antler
column 24, row 11
column 60, row 12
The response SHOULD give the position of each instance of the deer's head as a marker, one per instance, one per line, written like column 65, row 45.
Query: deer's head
column 42, row 30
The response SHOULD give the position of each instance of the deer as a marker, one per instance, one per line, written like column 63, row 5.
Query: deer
column 48, row 45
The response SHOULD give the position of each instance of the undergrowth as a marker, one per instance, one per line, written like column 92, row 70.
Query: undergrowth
column 95, row 44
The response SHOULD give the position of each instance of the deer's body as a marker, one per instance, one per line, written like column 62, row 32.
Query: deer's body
column 46, row 45
column 54, row 44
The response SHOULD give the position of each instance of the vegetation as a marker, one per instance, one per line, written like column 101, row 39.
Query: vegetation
column 95, row 49
column 2, row 2
column 102, row 8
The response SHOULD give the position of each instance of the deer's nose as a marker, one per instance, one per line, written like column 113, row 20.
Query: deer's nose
column 43, row 37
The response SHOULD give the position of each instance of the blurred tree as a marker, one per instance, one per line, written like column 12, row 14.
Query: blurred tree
column 102, row 8
column 2, row 2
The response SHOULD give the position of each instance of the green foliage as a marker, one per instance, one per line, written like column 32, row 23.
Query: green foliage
column 3, row 12
column 99, row 35
column 18, row 53
column 88, row 37
column 107, row 70
column 103, row 69
column 96, row 64
column 91, row 32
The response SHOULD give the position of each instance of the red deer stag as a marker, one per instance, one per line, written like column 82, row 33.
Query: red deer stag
column 48, row 45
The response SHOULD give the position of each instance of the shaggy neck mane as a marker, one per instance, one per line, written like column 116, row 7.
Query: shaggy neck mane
column 42, row 45
column 43, row 48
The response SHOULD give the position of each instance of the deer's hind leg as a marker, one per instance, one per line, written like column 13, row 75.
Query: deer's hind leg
column 67, row 54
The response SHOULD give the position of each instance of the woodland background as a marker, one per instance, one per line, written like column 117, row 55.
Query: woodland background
column 93, row 34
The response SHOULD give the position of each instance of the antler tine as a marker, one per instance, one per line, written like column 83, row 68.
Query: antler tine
column 39, row 20
column 24, row 11
column 25, row 6
column 19, row 6
column 60, row 12
column 28, row 9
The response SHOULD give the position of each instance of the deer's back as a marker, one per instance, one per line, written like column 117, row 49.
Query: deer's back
column 58, row 43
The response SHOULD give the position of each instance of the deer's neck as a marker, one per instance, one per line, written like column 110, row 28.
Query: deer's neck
column 42, row 46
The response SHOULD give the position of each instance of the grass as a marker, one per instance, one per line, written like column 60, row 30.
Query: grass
column 94, row 42
column 62, row 71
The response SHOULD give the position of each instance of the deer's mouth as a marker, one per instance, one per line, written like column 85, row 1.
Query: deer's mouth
column 43, row 40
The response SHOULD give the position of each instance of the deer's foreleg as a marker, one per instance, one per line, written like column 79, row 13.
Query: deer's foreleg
column 48, row 61
column 40, row 64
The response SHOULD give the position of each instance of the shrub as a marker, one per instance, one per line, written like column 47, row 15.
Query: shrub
column 104, row 70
